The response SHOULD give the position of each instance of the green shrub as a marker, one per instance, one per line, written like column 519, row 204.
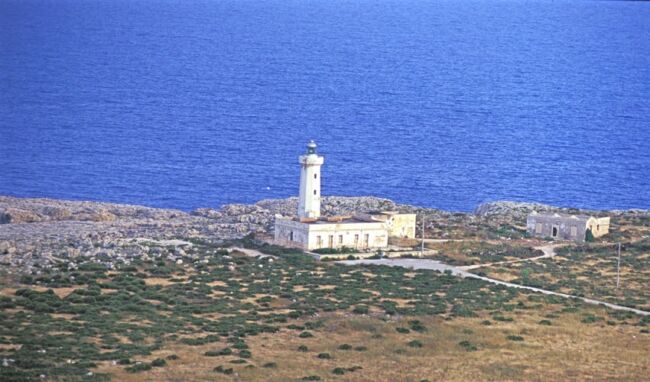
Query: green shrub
column 305, row 335
column 311, row 378
column 545, row 322
column 415, row 344
column 345, row 347
column 590, row 319
column 239, row 344
column 303, row 348
column 513, row 337
column 324, row 356
column 158, row 362
column 245, row 354
column 462, row 311
column 402, row 330
column 360, row 348
column 218, row 353
column 270, row 365
column 335, row 251
column 360, row 309
column 339, row 370
column 138, row 367
column 468, row 346
column 223, row 370
column 417, row 326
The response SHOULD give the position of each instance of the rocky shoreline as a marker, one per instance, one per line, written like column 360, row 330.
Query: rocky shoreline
column 36, row 233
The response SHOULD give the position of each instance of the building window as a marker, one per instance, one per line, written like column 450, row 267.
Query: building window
column 331, row 241
column 340, row 239
column 538, row 228
column 315, row 176
column 319, row 241
column 314, row 192
column 366, row 239
column 356, row 239
column 291, row 236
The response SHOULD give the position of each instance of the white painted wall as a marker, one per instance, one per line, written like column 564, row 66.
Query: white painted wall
column 309, row 198
column 312, row 236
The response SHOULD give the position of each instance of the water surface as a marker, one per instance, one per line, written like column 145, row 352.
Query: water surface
column 444, row 104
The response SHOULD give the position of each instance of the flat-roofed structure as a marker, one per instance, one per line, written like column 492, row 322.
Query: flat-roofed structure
column 350, row 233
column 565, row 226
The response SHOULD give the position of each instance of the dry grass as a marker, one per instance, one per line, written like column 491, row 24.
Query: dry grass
column 566, row 350
column 158, row 281
column 590, row 273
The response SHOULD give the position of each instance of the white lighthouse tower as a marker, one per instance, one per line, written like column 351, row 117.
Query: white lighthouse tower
column 309, row 200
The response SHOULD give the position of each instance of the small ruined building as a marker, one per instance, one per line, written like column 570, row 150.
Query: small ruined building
column 565, row 226
column 309, row 230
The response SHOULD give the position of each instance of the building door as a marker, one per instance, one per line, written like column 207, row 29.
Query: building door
column 331, row 241
column 554, row 234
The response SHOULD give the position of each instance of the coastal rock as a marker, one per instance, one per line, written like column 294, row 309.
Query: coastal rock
column 516, row 210
column 16, row 215
column 37, row 232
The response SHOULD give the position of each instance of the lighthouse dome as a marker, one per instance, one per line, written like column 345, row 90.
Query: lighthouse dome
column 311, row 147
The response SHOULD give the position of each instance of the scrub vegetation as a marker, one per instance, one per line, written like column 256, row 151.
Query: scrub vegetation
column 588, row 270
column 473, row 252
column 220, row 315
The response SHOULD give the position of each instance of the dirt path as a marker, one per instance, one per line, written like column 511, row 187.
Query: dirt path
column 459, row 271
column 252, row 252
column 549, row 251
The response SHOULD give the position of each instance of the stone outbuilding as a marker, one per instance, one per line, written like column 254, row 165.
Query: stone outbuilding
column 565, row 226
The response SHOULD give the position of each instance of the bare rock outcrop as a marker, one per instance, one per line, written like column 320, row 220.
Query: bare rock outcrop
column 518, row 211
column 34, row 233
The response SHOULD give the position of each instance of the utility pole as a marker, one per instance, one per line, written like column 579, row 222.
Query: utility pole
column 618, row 267
column 422, row 246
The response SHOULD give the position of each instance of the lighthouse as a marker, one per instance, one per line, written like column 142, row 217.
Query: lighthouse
column 359, row 231
column 309, row 197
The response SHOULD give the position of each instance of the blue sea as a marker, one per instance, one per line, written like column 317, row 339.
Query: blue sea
column 446, row 104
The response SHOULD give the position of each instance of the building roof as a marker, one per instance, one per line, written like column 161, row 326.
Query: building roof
column 557, row 215
column 350, row 220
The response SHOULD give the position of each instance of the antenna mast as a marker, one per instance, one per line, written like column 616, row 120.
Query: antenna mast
column 618, row 267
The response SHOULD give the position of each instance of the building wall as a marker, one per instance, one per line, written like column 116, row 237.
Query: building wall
column 290, row 233
column 598, row 226
column 362, row 235
column 402, row 225
column 352, row 235
column 566, row 228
